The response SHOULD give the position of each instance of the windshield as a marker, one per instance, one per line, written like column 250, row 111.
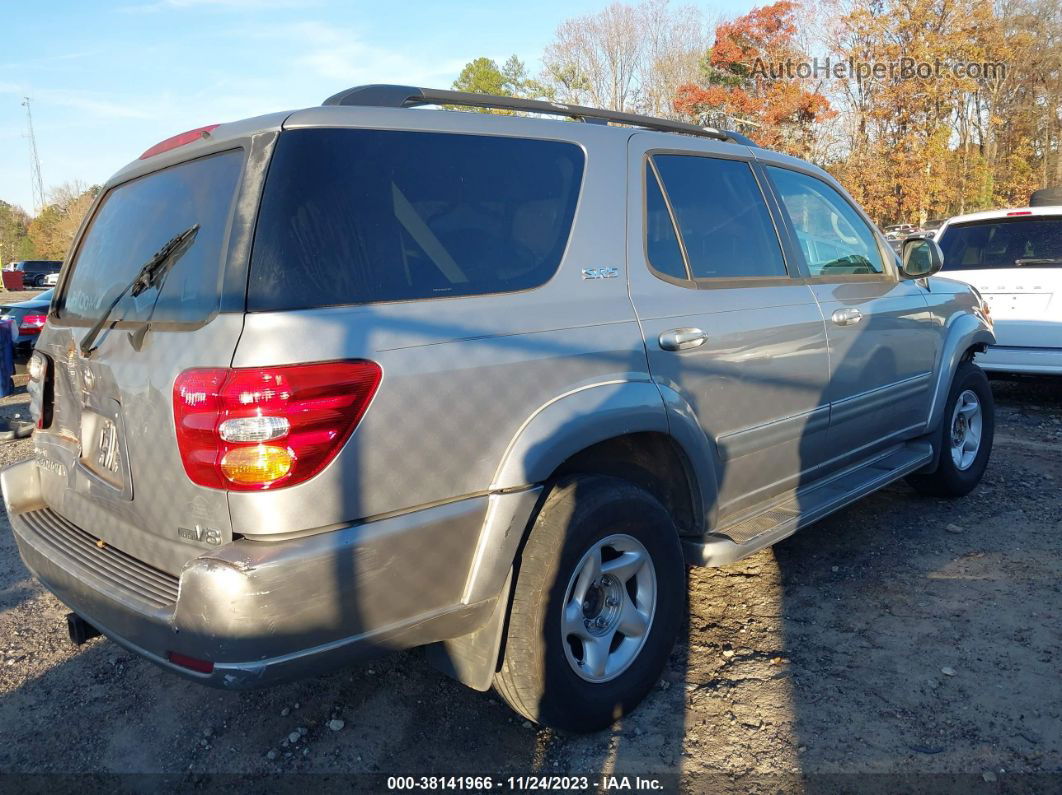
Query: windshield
column 1025, row 241
column 134, row 221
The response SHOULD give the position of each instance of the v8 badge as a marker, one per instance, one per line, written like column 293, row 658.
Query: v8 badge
column 201, row 535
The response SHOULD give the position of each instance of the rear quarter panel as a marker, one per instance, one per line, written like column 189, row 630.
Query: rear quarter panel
column 461, row 376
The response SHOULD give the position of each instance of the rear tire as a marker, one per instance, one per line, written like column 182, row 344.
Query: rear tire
column 548, row 675
column 961, row 466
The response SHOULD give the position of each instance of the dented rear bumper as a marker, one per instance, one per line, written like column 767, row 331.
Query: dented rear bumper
column 266, row 612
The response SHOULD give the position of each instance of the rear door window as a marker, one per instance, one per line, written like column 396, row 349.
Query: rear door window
column 1030, row 242
column 360, row 216
column 726, row 228
column 138, row 218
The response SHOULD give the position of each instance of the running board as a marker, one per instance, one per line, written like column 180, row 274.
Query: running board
column 809, row 504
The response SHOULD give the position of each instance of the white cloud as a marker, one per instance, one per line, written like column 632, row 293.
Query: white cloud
column 341, row 54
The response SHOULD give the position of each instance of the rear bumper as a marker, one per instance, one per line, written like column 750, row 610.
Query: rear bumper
column 266, row 612
column 1002, row 359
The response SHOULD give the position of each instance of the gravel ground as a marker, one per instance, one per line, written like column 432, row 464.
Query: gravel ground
column 903, row 635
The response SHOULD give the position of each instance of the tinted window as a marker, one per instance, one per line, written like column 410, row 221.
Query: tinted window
column 1031, row 242
column 355, row 216
column 722, row 217
column 137, row 219
column 662, row 245
column 834, row 238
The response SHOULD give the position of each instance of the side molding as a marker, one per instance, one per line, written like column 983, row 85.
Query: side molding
column 508, row 516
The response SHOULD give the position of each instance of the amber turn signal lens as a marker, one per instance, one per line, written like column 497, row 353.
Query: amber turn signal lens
column 261, row 464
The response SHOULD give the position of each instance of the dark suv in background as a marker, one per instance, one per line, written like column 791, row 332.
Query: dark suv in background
column 34, row 270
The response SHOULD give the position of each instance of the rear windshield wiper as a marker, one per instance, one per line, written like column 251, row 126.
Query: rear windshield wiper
column 151, row 274
column 1021, row 261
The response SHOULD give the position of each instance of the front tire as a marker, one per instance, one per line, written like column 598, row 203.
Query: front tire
column 597, row 604
column 965, row 437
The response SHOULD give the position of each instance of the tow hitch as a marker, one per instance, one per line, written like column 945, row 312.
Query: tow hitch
column 80, row 630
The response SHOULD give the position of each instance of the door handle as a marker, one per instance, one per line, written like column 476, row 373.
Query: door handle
column 680, row 339
column 847, row 317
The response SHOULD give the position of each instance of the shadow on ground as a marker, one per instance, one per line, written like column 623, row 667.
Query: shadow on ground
column 902, row 635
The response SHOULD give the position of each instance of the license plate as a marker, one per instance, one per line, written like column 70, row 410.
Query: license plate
column 102, row 452
column 107, row 446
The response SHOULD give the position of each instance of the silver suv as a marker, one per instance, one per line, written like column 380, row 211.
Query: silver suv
column 358, row 377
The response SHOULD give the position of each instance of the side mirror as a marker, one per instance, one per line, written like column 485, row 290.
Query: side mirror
column 920, row 257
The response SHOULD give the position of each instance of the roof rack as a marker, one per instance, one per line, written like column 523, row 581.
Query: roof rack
column 388, row 96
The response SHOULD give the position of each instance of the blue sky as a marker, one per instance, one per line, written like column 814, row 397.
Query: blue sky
column 109, row 79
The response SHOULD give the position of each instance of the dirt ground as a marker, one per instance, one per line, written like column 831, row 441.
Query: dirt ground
column 902, row 636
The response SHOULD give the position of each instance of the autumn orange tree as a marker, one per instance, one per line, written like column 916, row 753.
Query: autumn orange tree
column 899, row 161
column 919, row 148
column 52, row 231
column 748, row 82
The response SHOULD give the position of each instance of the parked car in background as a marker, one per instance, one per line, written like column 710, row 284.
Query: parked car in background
column 34, row 271
column 1014, row 259
column 51, row 279
column 930, row 228
column 900, row 231
column 29, row 318
column 553, row 364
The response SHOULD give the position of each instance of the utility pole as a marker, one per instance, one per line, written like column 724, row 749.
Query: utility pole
column 35, row 161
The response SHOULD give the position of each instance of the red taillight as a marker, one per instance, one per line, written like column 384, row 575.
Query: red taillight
column 255, row 428
column 32, row 324
column 1021, row 212
column 191, row 663
column 181, row 139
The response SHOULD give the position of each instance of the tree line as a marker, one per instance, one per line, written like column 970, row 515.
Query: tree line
column 921, row 108
column 48, row 234
column 974, row 122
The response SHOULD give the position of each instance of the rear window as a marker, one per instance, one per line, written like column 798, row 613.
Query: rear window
column 1032, row 242
column 358, row 216
column 138, row 218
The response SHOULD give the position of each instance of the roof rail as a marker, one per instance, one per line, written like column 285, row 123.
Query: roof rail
column 388, row 96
